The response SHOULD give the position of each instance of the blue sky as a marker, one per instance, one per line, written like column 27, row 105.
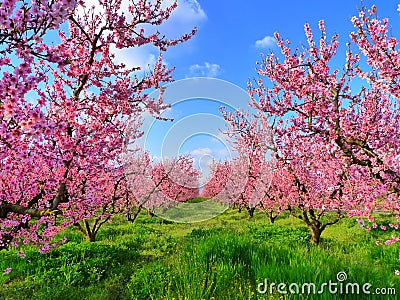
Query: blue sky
column 225, row 44
column 231, row 36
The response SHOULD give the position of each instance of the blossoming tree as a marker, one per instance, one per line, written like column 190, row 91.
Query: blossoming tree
column 337, row 139
column 177, row 179
column 65, row 105
column 297, row 176
column 243, row 180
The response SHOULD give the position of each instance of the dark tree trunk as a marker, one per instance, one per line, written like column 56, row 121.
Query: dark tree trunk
column 251, row 211
column 315, row 234
column 135, row 215
column 312, row 219
column 91, row 237
column 90, row 233
column 271, row 218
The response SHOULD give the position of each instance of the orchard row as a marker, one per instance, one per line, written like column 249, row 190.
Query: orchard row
column 319, row 143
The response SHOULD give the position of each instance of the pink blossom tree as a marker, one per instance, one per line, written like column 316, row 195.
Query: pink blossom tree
column 251, row 138
column 340, row 147
column 272, row 203
column 159, row 185
column 292, row 179
column 218, row 179
column 102, row 196
column 177, row 179
column 65, row 107
column 227, row 181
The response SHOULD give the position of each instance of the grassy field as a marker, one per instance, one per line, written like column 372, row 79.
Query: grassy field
column 226, row 257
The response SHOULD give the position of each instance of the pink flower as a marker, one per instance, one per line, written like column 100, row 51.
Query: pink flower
column 21, row 254
column 37, row 39
column 396, row 272
column 7, row 271
column 45, row 248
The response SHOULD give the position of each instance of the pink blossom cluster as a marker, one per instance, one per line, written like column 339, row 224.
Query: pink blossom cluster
column 163, row 184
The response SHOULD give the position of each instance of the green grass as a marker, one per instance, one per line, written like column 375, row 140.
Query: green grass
column 196, row 210
column 222, row 258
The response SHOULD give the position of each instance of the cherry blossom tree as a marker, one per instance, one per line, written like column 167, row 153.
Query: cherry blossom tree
column 341, row 147
column 65, row 109
column 113, row 193
column 177, row 179
column 251, row 138
column 138, row 168
column 227, row 181
column 272, row 203
column 218, row 179
column 159, row 185
column 292, row 179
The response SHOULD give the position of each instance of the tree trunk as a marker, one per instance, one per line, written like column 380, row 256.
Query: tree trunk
column 89, row 234
column 135, row 215
column 251, row 211
column 271, row 217
column 91, row 237
column 315, row 234
column 314, row 224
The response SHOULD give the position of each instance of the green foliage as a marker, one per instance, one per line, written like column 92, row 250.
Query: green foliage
column 150, row 281
column 203, row 233
column 69, row 267
column 281, row 234
column 223, row 258
column 197, row 200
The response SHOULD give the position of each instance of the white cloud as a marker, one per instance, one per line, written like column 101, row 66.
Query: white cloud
column 201, row 152
column 267, row 42
column 223, row 152
column 144, row 57
column 172, row 113
column 188, row 11
column 215, row 140
column 206, row 70
column 183, row 19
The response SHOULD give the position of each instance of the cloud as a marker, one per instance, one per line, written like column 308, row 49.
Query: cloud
column 206, row 70
column 267, row 42
column 223, row 152
column 188, row 11
column 144, row 57
column 172, row 113
column 201, row 152
column 183, row 19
